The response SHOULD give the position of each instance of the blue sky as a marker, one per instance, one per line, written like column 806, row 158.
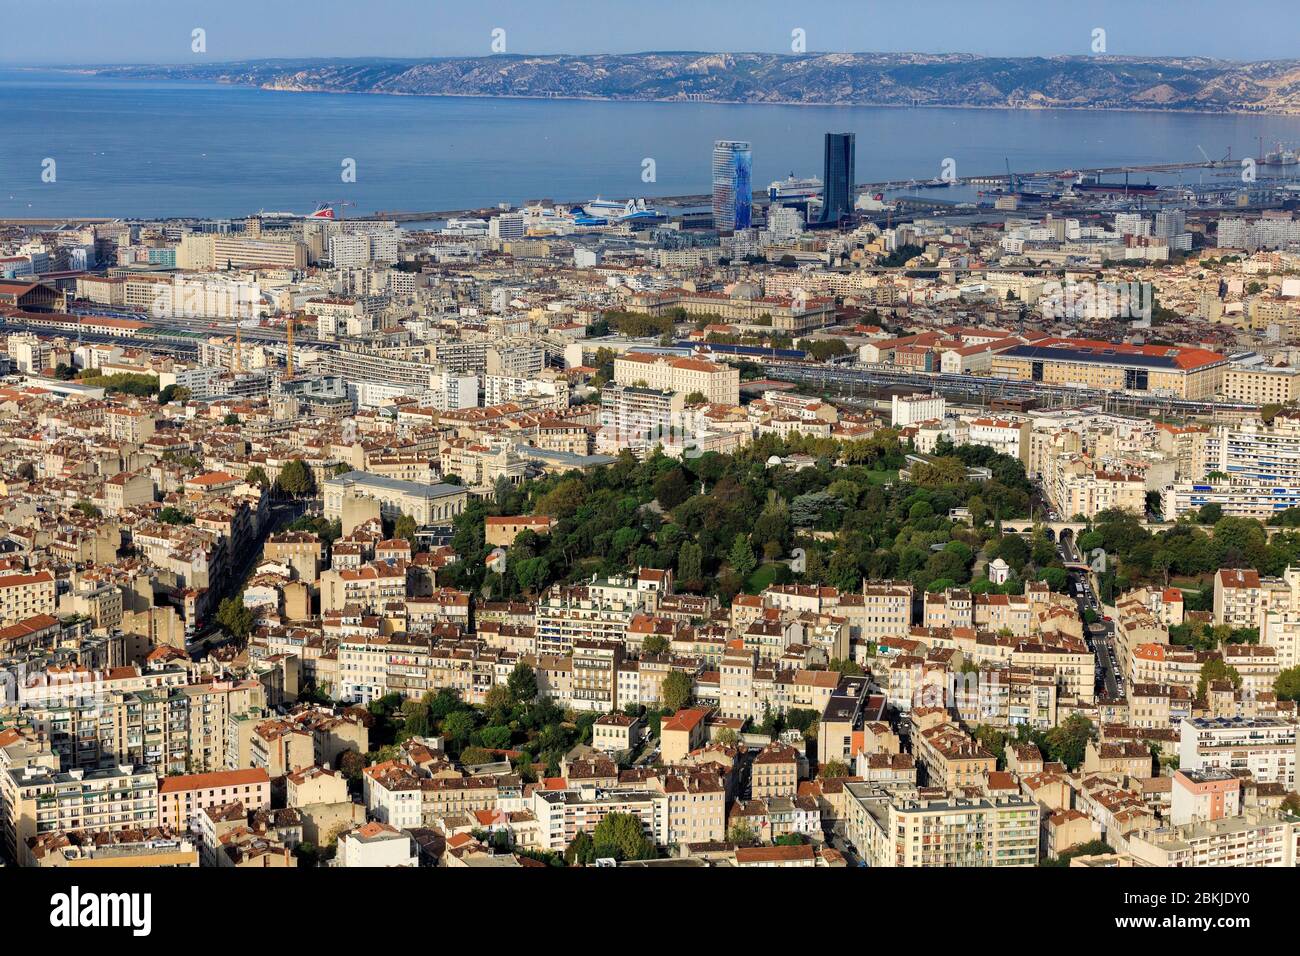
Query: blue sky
column 140, row 31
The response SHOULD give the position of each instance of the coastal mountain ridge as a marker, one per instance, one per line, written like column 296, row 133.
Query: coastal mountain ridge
column 867, row 79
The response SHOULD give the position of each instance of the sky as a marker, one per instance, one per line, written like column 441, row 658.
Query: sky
column 159, row 31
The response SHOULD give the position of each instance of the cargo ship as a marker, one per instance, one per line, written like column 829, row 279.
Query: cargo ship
column 1281, row 156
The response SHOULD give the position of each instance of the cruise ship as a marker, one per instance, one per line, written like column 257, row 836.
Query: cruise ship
column 795, row 190
column 600, row 212
column 466, row 227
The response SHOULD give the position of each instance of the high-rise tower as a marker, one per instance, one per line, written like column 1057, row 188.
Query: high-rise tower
column 733, row 190
column 837, row 175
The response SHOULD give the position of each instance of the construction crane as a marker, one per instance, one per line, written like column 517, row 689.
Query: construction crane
column 289, row 323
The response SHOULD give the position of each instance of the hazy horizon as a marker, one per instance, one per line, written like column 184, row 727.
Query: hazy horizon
column 158, row 32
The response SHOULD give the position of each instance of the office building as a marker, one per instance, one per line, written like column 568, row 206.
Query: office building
column 732, row 186
column 837, row 174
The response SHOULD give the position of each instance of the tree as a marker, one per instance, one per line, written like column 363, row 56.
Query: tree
column 690, row 560
column 351, row 763
column 1210, row 513
column 1068, row 741
column 495, row 737
column 741, row 557
column 458, row 726
column 171, row 515
column 623, row 833
column 582, row 851
column 1287, row 685
column 835, row 768
column 676, row 690
column 563, row 500
column 672, row 488
column 846, row 666
column 257, row 476
column 174, row 393
column 476, row 756
column 230, row 419
column 405, row 527
column 522, row 684
column 773, row 524
column 89, row 510
column 27, row 471
column 1091, row 848
column 1215, row 670
column 296, row 479
column 654, row 644
column 532, row 573
column 742, row 834
column 1054, row 578
column 234, row 617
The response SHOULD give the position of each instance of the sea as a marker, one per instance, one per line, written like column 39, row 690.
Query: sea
column 75, row 144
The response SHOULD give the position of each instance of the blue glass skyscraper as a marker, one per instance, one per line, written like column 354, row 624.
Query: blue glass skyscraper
column 733, row 190
column 837, row 175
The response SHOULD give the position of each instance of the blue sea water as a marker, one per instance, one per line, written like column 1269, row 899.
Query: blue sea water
column 147, row 149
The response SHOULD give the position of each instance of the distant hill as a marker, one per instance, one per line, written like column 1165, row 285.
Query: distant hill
column 892, row 79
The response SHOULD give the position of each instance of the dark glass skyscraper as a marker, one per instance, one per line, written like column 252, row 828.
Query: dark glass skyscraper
column 733, row 190
column 837, row 176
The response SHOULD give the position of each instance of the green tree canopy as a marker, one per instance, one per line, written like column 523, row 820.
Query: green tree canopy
column 624, row 834
column 234, row 617
column 296, row 479
column 1214, row 670
column 1287, row 685
column 676, row 690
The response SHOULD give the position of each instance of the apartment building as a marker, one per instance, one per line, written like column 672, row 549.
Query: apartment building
column 1238, row 497
column 217, row 250
column 596, row 665
column 1204, row 795
column 39, row 801
column 951, row 757
column 897, row 831
column 881, row 609
column 25, row 595
column 1264, row 747
column 719, row 384
column 638, row 417
column 301, row 550
column 369, row 587
column 181, row 798
column 1242, row 597
column 1261, row 385
column 1253, row 839
column 1006, row 436
column 563, row 814
column 144, row 847
column 599, row 611
column 775, row 772
column 1078, row 486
